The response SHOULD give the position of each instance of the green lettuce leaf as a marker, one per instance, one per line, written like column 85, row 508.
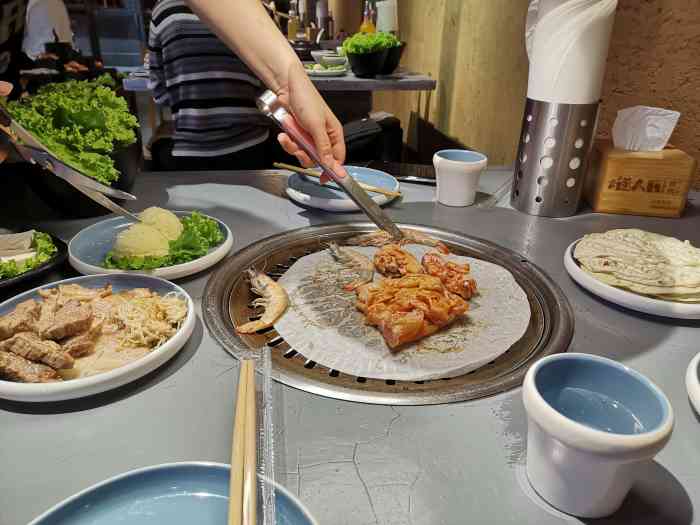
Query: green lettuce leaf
column 198, row 236
column 45, row 250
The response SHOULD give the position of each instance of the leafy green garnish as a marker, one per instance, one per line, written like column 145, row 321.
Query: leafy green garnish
column 45, row 249
column 81, row 121
column 199, row 234
column 362, row 43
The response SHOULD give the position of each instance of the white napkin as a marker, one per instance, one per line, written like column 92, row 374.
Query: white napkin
column 642, row 128
column 568, row 49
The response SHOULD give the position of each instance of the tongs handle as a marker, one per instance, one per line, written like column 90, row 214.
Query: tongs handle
column 269, row 104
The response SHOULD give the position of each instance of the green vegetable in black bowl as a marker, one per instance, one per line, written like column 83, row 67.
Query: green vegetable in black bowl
column 368, row 52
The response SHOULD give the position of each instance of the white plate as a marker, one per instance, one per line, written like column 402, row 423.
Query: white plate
column 692, row 383
column 86, row 386
column 327, row 72
column 90, row 246
column 633, row 301
column 309, row 192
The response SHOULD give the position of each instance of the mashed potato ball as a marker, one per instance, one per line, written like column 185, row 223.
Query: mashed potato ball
column 165, row 221
column 141, row 240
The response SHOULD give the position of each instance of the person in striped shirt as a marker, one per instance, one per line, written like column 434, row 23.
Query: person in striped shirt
column 211, row 91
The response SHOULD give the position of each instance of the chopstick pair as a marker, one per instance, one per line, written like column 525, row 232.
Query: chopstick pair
column 317, row 175
column 243, row 498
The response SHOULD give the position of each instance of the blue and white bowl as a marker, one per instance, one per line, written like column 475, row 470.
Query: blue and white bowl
column 173, row 493
column 87, row 386
column 591, row 422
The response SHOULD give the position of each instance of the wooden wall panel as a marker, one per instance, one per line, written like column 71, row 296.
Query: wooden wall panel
column 475, row 50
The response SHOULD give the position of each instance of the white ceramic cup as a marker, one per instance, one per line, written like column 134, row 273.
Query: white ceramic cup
column 591, row 423
column 457, row 172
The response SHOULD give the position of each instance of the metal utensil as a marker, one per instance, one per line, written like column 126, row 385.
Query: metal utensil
column 268, row 103
column 32, row 150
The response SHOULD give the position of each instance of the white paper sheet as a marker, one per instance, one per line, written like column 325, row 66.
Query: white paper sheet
column 323, row 324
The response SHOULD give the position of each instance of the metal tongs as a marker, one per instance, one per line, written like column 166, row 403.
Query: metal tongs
column 32, row 150
column 268, row 103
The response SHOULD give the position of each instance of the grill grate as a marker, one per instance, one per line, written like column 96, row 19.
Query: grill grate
column 227, row 303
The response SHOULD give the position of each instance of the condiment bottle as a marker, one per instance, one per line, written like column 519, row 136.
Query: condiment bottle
column 367, row 25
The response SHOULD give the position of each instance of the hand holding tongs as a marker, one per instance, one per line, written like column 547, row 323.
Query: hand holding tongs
column 270, row 106
column 32, row 150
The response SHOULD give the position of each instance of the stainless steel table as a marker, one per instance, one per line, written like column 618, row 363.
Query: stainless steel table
column 354, row 464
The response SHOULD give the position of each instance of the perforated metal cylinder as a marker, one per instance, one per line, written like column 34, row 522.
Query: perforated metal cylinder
column 553, row 156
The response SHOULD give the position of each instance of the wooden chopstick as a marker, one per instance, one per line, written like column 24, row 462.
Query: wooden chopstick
column 235, row 496
column 250, row 493
column 312, row 173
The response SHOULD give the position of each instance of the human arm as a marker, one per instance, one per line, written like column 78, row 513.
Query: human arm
column 246, row 28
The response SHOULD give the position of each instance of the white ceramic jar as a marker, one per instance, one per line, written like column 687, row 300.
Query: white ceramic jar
column 457, row 173
column 591, row 423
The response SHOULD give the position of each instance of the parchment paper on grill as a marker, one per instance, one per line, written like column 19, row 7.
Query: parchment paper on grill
column 323, row 324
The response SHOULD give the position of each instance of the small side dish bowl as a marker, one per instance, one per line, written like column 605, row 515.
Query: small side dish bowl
column 319, row 54
column 591, row 422
column 333, row 60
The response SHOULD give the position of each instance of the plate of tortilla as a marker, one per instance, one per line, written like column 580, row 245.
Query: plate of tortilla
column 639, row 270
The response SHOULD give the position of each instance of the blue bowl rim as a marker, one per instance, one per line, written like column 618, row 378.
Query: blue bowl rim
column 480, row 156
column 665, row 403
column 167, row 466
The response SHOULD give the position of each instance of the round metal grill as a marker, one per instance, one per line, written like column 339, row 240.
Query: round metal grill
column 227, row 303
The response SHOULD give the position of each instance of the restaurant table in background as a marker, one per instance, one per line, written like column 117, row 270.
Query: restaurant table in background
column 353, row 464
column 349, row 97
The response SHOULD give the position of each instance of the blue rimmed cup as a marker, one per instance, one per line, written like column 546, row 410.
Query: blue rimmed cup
column 457, row 173
column 592, row 422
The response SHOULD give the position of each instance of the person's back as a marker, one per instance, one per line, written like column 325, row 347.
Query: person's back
column 210, row 91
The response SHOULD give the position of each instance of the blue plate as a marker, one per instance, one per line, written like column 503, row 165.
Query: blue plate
column 88, row 249
column 190, row 493
column 307, row 191
column 87, row 386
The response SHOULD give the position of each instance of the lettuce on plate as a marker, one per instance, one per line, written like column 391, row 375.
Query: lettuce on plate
column 198, row 236
column 45, row 250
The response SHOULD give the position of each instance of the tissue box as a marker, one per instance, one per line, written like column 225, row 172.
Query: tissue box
column 653, row 183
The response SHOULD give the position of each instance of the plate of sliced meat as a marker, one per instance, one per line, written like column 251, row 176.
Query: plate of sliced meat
column 87, row 335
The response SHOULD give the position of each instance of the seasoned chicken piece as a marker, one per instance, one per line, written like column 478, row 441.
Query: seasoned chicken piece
column 19, row 369
column 454, row 276
column 381, row 238
column 72, row 318
column 83, row 344
column 22, row 319
column 392, row 261
column 408, row 309
column 33, row 348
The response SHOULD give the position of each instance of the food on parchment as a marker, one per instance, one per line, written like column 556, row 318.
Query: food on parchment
column 355, row 261
column 410, row 308
column 73, row 331
column 381, row 238
column 454, row 276
column 154, row 245
column 642, row 262
column 273, row 298
column 392, row 261
column 22, row 252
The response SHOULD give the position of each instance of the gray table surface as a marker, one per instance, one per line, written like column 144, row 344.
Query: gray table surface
column 399, row 81
column 353, row 464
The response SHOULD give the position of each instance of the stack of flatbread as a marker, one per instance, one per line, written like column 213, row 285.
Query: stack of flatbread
column 642, row 262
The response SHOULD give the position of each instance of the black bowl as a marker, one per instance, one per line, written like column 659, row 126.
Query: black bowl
column 393, row 58
column 71, row 203
column 367, row 65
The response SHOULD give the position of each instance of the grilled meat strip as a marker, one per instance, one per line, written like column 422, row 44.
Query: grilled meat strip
column 33, row 348
column 17, row 368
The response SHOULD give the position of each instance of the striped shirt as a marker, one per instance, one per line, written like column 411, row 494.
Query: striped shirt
column 210, row 91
